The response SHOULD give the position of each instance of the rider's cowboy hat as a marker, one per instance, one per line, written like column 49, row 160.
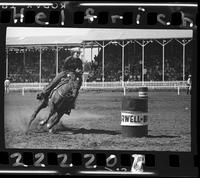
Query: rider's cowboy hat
column 77, row 49
column 189, row 75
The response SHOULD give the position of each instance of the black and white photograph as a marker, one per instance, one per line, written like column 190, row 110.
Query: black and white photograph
column 98, row 89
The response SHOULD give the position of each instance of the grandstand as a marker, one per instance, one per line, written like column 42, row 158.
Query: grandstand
column 126, row 58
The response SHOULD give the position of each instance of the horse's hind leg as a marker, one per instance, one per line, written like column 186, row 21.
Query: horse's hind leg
column 37, row 110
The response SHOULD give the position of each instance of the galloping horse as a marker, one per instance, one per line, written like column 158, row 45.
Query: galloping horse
column 59, row 101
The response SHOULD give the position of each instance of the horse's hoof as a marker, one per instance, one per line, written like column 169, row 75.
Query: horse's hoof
column 48, row 125
column 42, row 123
column 51, row 131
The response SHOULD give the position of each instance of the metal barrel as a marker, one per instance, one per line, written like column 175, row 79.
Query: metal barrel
column 134, row 118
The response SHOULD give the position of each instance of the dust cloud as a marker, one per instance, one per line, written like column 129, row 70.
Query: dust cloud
column 19, row 121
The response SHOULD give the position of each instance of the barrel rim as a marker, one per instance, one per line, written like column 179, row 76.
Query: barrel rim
column 139, row 112
column 143, row 87
column 132, row 97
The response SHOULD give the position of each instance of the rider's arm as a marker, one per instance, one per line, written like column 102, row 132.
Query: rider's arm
column 65, row 66
column 67, row 59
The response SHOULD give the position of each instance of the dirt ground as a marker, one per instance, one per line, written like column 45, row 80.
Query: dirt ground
column 95, row 123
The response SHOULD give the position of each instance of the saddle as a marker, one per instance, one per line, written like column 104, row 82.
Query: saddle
column 63, row 81
column 67, row 99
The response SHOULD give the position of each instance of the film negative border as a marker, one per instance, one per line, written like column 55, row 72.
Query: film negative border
column 82, row 162
column 136, row 15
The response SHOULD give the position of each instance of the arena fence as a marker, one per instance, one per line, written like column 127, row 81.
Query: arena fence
column 175, row 85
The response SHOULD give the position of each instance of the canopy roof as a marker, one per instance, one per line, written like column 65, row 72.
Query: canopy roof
column 127, row 34
column 99, row 35
column 44, row 40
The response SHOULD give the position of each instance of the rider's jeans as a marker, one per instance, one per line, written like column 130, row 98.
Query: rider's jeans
column 54, row 82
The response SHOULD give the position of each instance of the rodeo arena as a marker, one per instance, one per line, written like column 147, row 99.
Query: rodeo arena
column 134, row 94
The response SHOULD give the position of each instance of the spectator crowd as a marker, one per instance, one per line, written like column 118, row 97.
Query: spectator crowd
column 24, row 66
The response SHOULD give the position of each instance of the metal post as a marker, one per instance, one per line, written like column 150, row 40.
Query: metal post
column 178, row 90
column 83, row 60
column 163, row 43
column 24, row 56
column 163, row 61
column 183, row 62
column 103, row 79
column 40, row 67
column 83, row 57
column 142, row 64
column 91, row 53
column 56, row 60
column 123, row 63
column 143, row 44
column 184, row 43
column 7, row 62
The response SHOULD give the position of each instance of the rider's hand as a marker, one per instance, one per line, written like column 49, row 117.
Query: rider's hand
column 77, row 70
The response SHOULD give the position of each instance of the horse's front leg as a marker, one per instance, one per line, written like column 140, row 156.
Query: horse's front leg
column 37, row 110
column 55, row 119
column 51, row 111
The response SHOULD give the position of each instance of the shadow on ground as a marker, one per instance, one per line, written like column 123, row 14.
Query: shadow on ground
column 89, row 131
column 162, row 136
column 109, row 132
